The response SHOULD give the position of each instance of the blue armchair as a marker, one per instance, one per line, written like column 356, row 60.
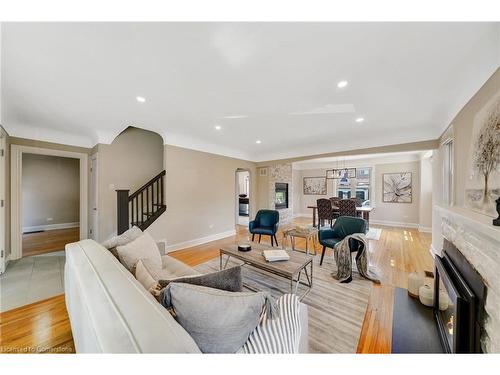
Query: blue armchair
column 343, row 227
column 266, row 222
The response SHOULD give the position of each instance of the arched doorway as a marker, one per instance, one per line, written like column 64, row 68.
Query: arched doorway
column 243, row 196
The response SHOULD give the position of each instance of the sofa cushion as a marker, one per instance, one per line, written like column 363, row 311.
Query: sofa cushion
column 279, row 335
column 143, row 247
column 218, row 321
column 123, row 239
column 175, row 268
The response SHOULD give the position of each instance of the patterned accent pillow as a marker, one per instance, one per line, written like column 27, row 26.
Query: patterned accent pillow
column 280, row 335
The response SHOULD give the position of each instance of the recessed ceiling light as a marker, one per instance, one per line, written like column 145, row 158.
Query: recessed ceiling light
column 342, row 84
column 235, row 116
column 218, row 127
column 258, row 141
column 360, row 119
column 140, row 99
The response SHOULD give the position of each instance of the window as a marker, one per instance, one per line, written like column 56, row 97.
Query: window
column 359, row 186
column 448, row 172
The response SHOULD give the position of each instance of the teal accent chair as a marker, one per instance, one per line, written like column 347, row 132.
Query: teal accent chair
column 265, row 223
column 343, row 227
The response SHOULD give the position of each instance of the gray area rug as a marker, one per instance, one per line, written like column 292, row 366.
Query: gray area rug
column 336, row 311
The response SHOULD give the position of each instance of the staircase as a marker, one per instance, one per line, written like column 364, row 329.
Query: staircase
column 142, row 207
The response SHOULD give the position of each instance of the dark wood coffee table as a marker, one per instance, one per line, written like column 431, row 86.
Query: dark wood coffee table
column 291, row 269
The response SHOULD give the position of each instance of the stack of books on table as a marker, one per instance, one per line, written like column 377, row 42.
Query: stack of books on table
column 275, row 255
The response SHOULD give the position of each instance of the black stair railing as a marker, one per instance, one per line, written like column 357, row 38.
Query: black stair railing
column 141, row 208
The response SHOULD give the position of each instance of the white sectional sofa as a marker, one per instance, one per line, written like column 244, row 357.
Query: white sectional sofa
column 111, row 312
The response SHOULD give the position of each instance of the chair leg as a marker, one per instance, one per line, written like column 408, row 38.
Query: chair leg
column 260, row 237
column 276, row 240
column 322, row 255
column 272, row 244
column 253, row 236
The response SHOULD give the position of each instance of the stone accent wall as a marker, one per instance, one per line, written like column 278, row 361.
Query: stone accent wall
column 281, row 173
column 480, row 243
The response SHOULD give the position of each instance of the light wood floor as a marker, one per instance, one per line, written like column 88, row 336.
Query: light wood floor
column 398, row 252
column 48, row 241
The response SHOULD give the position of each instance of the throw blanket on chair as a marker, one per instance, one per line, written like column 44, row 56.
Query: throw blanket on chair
column 343, row 258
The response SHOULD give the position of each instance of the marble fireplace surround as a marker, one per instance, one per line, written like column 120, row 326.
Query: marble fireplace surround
column 479, row 241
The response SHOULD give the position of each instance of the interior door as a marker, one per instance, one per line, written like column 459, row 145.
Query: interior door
column 2, row 199
column 94, row 212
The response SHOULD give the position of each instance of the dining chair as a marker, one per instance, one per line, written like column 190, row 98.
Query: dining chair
column 359, row 203
column 325, row 211
column 335, row 202
column 347, row 207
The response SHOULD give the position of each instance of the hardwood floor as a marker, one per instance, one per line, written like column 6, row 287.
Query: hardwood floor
column 398, row 252
column 48, row 241
column 41, row 327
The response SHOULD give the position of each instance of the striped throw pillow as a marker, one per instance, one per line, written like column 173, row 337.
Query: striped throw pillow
column 279, row 335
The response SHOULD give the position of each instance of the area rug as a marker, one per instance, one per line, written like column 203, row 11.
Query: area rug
column 374, row 234
column 336, row 311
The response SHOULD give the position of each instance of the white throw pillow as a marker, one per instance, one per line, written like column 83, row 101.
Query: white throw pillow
column 123, row 239
column 143, row 247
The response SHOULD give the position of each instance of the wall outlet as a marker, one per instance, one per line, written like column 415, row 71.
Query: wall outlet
column 50, row 219
column 211, row 226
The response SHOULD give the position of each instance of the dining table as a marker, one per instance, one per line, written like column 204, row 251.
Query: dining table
column 364, row 210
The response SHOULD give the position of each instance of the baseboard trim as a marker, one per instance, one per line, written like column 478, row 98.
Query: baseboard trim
column 51, row 227
column 424, row 229
column 199, row 241
column 397, row 224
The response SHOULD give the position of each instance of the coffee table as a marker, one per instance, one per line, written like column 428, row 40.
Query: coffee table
column 291, row 269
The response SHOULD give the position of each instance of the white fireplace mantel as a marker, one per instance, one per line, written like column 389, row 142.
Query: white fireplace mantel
column 479, row 241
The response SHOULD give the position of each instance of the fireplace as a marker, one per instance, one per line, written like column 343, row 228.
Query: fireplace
column 281, row 196
column 459, row 312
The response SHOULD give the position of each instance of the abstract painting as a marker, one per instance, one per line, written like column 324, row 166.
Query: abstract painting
column 482, row 187
column 314, row 185
column 397, row 187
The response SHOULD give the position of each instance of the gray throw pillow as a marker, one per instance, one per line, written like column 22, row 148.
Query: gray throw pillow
column 228, row 279
column 218, row 321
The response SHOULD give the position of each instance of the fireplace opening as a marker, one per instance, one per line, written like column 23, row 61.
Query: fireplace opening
column 281, row 196
column 459, row 302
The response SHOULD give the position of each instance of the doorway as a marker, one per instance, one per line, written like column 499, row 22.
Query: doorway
column 50, row 203
column 18, row 152
column 242, row 197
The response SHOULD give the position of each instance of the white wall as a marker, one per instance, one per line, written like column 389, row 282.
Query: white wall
column 425, row 211
column 134, row 157
column 200, row 196
column 50, row 191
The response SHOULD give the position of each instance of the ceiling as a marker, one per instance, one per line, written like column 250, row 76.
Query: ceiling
column 362, row 160
column 77, row 83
